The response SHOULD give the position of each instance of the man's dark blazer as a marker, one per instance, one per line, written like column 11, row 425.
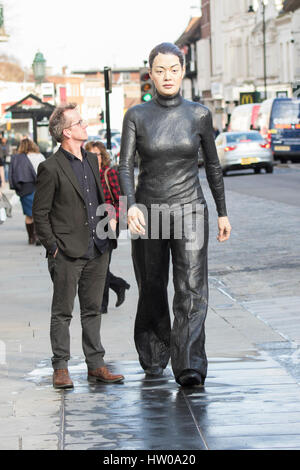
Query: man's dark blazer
column 59, row 209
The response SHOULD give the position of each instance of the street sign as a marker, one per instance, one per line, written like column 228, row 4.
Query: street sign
column 108, row 79
column 250, row 97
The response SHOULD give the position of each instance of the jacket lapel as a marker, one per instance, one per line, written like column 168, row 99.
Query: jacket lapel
column 67, row 169
column 93, row 161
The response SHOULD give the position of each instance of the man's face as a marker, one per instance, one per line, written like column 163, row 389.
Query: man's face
column 75, row 129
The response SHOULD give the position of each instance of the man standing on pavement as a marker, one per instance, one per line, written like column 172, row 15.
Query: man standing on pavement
column 67, row 196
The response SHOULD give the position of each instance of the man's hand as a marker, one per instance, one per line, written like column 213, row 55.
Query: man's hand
column 54, row 256
column 136, row 221
column 224, row 229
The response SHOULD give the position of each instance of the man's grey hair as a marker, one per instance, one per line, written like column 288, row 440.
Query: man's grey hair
column 58, row 121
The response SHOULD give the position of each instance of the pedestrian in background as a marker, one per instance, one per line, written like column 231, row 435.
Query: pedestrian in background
column 65, row 206
column 5, row 150
column 111, row 190
column 2, row 174
column 22, row 178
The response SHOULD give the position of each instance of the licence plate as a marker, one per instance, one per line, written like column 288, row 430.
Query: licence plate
column 284, row 148
column 249, row 160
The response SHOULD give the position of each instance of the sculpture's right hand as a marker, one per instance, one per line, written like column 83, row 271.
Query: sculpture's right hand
column 136, row 220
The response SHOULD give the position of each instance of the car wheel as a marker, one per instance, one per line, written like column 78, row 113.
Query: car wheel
column 256, row 171
column 224, row 172
column 269, row 169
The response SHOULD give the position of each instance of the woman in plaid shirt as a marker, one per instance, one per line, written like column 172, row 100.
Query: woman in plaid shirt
column 111, row 194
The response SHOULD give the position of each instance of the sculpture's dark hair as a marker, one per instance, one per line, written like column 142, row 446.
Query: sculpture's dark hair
column 166, row 48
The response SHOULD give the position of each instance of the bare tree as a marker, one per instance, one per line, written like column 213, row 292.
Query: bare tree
column 10, row 70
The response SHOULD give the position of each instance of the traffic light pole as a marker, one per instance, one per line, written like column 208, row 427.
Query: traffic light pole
column 147, row 88
column 108, row 86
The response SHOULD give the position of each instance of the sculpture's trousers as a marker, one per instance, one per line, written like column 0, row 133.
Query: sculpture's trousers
column 186, row 242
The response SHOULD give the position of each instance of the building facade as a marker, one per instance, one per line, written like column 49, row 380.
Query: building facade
column 125, row 94
column 234, row 58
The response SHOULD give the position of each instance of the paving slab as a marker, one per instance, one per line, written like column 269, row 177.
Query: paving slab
column 237, row 409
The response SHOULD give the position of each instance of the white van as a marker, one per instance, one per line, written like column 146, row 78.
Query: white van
column 244, row 117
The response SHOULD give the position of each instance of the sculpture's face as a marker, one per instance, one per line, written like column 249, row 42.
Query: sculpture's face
column 167, row 74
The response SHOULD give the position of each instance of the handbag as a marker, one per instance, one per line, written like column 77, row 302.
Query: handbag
column 5, row 208
column 108, row 185
column 2, row 215
column 112, row 197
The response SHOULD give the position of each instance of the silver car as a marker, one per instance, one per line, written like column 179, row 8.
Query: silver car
column 240, row 150
column 114, row 152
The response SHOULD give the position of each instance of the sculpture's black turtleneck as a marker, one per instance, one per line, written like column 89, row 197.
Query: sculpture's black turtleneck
column 167, row 133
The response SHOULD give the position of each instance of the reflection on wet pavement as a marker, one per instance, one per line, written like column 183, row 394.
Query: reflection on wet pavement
column 249, row 403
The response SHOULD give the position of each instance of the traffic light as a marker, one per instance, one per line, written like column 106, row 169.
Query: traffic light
column 147, row 87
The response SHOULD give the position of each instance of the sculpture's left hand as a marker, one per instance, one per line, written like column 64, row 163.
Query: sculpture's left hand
column 224, row 229
column 113, row 224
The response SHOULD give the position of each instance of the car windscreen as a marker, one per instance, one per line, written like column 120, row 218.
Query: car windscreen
column 285, row 113
column 117, row 138
column 243, row 137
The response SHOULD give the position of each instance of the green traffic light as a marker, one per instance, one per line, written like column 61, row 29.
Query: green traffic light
column 147, row 97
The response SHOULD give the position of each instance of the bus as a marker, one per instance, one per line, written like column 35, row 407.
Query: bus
column 279, row 121
column 244, row 117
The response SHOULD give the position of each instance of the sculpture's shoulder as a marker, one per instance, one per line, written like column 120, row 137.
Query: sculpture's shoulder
column 138, row 112
column 200, row 110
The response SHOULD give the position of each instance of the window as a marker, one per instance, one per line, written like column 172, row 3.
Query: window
column 243, row 137
column 125, row 77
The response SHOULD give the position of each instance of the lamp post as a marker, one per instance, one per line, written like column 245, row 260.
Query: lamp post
column 39, row 67
column 251, row 10
column 3, row 36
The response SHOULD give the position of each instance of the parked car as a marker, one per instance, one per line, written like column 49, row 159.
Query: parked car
column 240, row 150
column 113, row 132
column 115, row 151
column 93, row 138
column 117, row 138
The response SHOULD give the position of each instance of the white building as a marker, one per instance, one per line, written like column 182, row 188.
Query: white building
column 228, row 51
column 238, row 51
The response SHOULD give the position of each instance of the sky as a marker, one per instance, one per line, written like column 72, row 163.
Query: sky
column 85, row 34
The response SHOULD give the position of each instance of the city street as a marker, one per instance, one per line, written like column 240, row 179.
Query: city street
column 251, row 398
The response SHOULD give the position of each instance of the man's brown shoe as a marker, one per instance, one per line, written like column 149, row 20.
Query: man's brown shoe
column 61, row 379
column 102, row 374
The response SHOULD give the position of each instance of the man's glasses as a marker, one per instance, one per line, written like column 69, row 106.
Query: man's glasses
column 82, row 122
